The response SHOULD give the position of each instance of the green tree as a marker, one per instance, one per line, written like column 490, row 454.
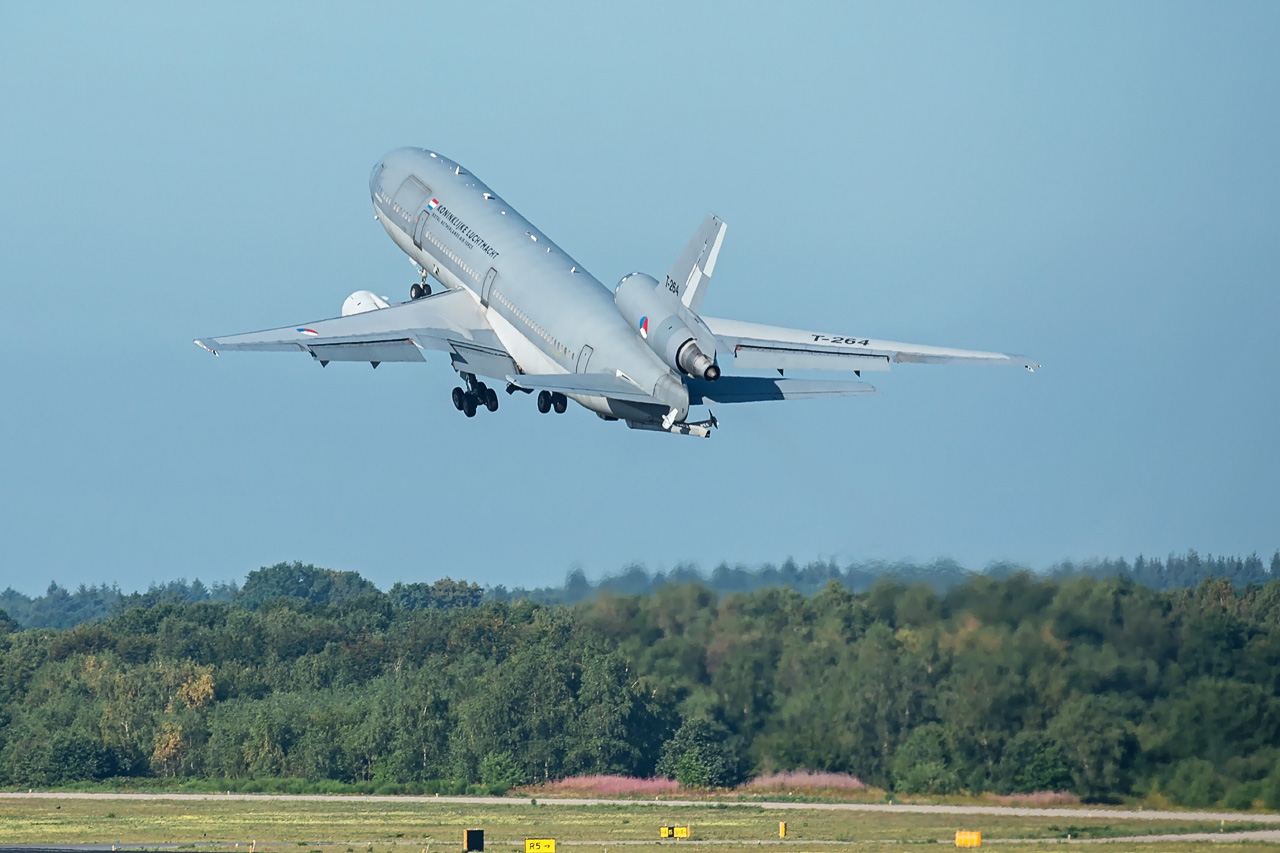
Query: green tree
column 1194, row 782
column 1099, row 744
column 921, row 764
column 700, row 755
column 1033, row 761
column 500, row 769
column 444, row 593
column 302, row 583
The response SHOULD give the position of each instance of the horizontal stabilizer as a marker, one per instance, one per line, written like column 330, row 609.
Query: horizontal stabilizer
column 583, row 384
column 757, row 346
column 756, row 389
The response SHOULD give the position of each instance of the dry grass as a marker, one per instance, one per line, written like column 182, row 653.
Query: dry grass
column 1039, row 799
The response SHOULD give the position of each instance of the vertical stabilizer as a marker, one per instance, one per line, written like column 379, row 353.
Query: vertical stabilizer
column 691, row 273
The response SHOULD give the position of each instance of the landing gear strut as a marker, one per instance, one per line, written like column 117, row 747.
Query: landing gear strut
column 477, row 394
column 420, row 289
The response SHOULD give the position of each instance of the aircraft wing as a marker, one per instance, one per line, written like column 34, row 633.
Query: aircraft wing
column 754, row 345
column 450, row 322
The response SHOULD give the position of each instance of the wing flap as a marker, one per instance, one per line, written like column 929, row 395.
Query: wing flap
column 378, row 351
column 485, row 361
column 584, row 384
column 758, row 389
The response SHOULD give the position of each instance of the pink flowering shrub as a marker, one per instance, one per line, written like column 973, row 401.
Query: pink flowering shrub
column 807, row 779
column 609, row 786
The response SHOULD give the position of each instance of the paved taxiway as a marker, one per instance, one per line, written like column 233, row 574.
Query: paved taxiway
column 1022, row 811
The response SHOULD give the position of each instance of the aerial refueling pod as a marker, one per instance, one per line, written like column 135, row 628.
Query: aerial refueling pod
column 666, row 325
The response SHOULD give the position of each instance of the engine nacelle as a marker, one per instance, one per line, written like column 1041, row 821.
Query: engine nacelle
column 650, row 311
column 362, row 301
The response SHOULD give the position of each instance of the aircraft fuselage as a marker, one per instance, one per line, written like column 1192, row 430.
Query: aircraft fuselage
column 551, row 315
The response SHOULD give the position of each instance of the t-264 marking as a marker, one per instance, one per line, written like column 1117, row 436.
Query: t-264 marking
column 853, row 342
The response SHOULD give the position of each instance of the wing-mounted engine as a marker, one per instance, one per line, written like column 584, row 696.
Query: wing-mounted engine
column 362, row 301
column 670, row 329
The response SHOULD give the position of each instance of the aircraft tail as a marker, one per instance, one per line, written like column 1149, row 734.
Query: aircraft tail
column 691, row 273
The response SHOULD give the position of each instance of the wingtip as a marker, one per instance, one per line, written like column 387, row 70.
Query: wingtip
column 1026, row 361
column 204, row 346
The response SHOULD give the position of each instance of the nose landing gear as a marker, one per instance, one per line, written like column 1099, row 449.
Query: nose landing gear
column 422, row 288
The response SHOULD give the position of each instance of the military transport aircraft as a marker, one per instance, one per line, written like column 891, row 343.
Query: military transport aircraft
column 517, row 309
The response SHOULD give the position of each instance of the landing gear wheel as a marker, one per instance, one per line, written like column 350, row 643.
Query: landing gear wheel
column 491, row 399
column 426, row 289
column 415, row 292
column 469, row 405
column 544, row 401
column 560, row 402
column 457, row 398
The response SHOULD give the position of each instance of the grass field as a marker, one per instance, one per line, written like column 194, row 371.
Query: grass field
column 400, row 827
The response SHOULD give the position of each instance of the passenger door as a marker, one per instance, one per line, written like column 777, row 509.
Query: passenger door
column 489, row 279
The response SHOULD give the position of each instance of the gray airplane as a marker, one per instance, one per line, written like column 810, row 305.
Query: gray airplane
column 516, row 308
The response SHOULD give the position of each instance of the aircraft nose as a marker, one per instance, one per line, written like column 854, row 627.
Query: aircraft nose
column 375, row 178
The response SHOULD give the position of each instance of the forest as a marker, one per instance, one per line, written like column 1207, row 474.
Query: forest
column 1008, row 682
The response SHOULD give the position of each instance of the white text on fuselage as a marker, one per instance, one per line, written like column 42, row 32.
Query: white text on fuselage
column 459, row 229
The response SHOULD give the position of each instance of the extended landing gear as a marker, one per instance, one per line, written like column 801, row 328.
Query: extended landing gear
column 477, row 394
column 548, row 400
column 420, row 289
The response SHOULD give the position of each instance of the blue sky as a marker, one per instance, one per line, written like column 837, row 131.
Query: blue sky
column 1095, row 185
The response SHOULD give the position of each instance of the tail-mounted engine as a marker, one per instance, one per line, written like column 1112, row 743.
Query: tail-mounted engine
column 670, row 329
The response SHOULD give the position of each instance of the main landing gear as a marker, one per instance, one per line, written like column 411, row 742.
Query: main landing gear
column 477, row 394
column 548, row 400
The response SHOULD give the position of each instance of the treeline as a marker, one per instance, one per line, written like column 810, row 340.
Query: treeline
column 1173, row 572
column 61, row 608
column 1103, row 687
